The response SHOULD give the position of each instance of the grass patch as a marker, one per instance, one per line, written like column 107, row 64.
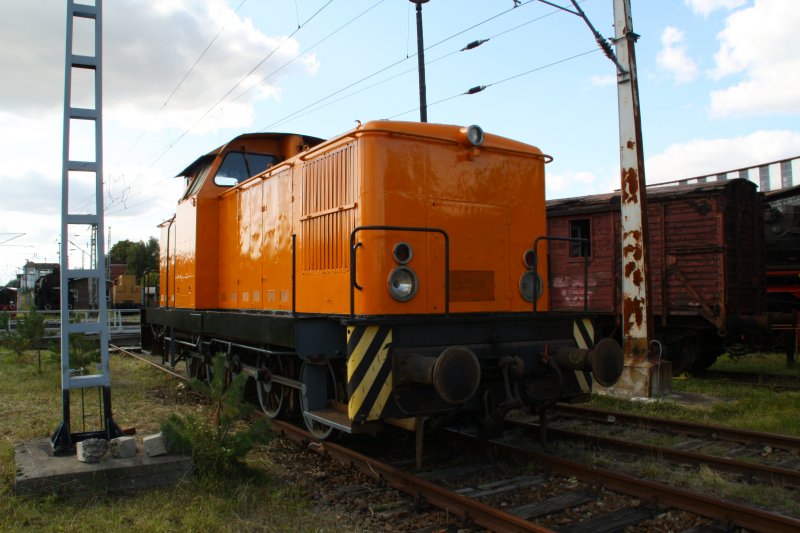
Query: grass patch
column 738, row 405
column 259, row 499
column 757, row 363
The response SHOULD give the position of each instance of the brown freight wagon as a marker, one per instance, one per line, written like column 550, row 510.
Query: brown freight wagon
column 706, row 243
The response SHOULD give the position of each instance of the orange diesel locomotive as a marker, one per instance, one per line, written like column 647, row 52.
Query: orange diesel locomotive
column 385, row 275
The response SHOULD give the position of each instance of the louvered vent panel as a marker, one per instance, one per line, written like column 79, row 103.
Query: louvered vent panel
column 330, row 195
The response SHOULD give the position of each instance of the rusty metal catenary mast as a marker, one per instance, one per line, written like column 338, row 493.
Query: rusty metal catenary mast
column 641, row 374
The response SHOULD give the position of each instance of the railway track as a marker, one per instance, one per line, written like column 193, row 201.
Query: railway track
column 534, row 491
column 750, row 455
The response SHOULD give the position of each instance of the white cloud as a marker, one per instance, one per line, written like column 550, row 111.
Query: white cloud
column 760, row 45
column 146, row 51
column 708, row 156
column 579, row 183
column 674, row 57
column 705, row 7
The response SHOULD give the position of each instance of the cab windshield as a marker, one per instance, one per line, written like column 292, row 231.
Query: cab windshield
column 239, row 166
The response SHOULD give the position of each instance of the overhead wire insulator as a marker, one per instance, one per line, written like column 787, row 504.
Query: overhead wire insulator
column 476, row 89
column 474, row 44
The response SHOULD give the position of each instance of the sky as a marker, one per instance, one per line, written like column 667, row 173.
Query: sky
column 719, row 84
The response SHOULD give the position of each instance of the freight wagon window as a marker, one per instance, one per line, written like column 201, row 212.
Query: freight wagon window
column 239, row 166
column 580, row 229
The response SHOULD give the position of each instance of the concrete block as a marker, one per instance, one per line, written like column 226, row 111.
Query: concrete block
column 91, row 450
column 40, row 472
column 155, row 444
column 122, row 447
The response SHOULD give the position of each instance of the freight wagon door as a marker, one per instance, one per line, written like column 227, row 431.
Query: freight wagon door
column 479, row 273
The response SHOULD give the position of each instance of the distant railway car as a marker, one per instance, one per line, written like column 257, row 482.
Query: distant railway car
column 782, row 242
column 383, row 276
column 47, row 292
column 125, row 292
column 706, row 244
column 8, row 299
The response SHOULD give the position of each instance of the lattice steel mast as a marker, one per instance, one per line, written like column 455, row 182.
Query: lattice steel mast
column 63, row 439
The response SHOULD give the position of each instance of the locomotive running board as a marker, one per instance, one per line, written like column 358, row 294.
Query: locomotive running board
column 338, row 420
column 332, row 418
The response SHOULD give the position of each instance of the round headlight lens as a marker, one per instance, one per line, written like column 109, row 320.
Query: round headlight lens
column 402, row 253
column 530, row 285
column 475, row 135
column 402, row 284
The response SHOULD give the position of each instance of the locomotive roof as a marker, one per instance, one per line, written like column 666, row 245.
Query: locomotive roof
column 200, row 161
column 607, row 201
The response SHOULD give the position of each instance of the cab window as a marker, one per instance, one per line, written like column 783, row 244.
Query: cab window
column 239, row 166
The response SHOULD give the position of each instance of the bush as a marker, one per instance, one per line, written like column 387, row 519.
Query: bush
column 217, row 445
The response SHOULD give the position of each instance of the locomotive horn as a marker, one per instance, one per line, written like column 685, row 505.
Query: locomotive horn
column 604, row 361
column 455, row 374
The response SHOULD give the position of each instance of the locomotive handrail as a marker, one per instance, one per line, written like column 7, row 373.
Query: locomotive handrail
column 354, row 246
column 535, row 268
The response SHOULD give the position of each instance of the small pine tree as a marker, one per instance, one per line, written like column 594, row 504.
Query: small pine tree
column 28, row 335
column 219, row 444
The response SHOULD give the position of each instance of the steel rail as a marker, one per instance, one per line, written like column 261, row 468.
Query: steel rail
column 496, row 520
column 480, row 513
column 659, row 495
column 129, row 353
column 763, row 472
column 744, row 436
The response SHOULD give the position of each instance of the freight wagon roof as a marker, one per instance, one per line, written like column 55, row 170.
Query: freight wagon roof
column 655, row 193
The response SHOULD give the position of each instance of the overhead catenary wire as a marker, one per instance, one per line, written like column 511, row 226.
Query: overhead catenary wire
column 315, row 105
column 241, row 80
column 178, row 85
column 311, row 47
column 480, row 88
column 301, row 112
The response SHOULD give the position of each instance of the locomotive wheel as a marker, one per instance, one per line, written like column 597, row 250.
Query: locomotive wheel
column 193, row 366
column 317, row 429
column 270, row 394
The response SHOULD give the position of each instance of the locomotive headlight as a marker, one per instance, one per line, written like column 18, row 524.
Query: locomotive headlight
column 530, row 286
column 529, row 259
column 471, row 135
column 402, row 284
column 402, row 253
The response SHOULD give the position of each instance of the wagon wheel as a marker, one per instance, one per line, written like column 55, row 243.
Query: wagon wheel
column 712, row 346
column 318, row 429
column 270, row 394
column 682, row 353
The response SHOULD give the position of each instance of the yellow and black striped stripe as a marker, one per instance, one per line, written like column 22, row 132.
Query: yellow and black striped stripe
column 583, row 333
column 369, row 371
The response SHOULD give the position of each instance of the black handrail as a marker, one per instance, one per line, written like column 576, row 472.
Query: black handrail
column 535, row 268
column 354, row 246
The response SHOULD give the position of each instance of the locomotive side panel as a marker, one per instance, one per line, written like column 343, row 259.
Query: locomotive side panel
column 250, row 245
column 327, row 193
column 227, row 262
column 276, row 258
